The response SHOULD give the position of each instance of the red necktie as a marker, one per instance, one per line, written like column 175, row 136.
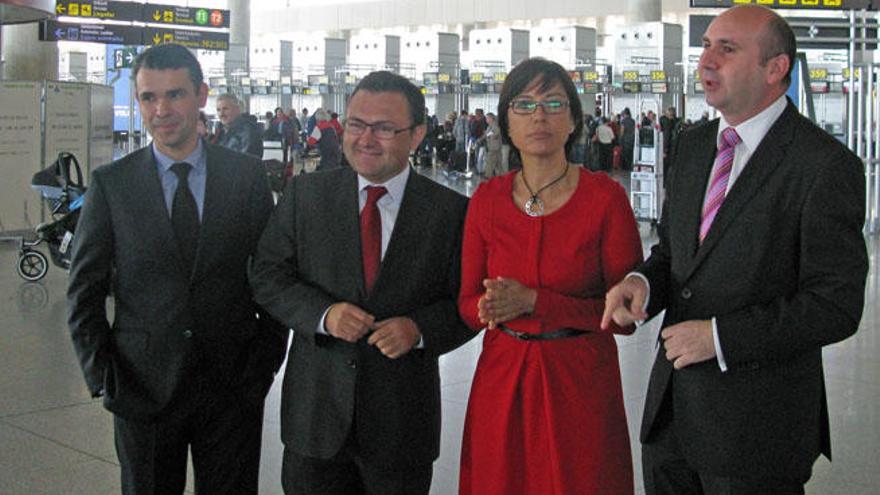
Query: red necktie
column 720, row 176
column 371, row 236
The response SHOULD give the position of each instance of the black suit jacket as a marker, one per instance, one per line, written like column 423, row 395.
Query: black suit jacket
column 783, row 270
column 309, row 258
column 175, row 335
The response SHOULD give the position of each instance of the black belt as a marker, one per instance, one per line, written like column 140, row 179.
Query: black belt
column 562, row 333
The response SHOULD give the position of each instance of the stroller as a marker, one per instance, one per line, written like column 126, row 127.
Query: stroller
column 65, row 198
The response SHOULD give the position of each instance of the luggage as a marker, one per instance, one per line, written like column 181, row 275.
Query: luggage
column 458, row 161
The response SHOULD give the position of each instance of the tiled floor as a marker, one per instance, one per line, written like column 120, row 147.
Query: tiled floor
column 55, row 440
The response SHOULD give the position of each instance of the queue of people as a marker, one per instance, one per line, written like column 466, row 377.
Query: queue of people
column 379, row 271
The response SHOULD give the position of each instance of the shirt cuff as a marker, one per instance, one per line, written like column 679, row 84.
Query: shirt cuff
column 647, row 295
column 322, row 330
column 718, row 353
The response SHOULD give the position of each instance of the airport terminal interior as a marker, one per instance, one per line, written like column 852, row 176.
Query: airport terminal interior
column 65, row 70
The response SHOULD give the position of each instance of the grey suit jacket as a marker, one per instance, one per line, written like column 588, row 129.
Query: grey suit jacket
column 309, row 258
column 175, row 335
column 783, row 270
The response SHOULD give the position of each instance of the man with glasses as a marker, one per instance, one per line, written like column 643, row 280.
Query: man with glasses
column 363, row 264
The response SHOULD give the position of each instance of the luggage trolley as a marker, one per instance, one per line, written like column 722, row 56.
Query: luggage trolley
column 646, row 180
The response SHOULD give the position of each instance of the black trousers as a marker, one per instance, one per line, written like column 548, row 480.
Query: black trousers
column 347, row 473
column 666, row 472
column 224, row 435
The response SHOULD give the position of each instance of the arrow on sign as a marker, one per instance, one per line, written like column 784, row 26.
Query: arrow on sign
column 156, row 39
column 59, row 9
column 129, row 58
column 59, row 33
column 157, row 15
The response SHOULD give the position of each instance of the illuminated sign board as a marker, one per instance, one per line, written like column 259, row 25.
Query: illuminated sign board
column 787, row 4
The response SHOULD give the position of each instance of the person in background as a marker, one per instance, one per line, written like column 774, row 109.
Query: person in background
column 363, row 264
column 334, row 121
column 203, row 127
column 541, row 247
column 460, row 131
column 168, row 230
column 492, row 139
column 238, row 131
column 603, row 141
column 627, row 139
column 761, row 262
column 324, row 138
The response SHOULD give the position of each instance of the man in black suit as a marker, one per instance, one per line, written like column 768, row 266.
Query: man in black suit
column 169, row 229
column 363, row 264
column 760, row 263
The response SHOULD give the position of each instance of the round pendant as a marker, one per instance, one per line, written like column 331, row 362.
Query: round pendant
column 534, row 207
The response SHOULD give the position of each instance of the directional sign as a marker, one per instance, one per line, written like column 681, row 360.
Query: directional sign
column 100, row 9
column 95, row 33
column 788, row 4
column 197, row 40
column 123, row 58
column 185, row 16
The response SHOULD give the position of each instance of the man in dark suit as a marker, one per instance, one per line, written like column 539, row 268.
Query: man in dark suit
column 760, row 263
column 186, row 361
column 363, row 264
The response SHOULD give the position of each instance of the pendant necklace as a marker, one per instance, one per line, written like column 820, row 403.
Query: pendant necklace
column 534, row 207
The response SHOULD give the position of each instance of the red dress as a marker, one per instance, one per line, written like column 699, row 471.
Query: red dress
column 547, row 417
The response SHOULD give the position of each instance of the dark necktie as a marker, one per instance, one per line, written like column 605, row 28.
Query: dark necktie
column 371, row 236
column 185, row 216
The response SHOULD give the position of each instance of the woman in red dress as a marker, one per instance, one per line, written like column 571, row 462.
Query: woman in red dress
column 541, row 246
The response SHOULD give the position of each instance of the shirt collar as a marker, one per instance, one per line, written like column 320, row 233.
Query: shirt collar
column 753, row 130
column 196, row 158
column 394, row 185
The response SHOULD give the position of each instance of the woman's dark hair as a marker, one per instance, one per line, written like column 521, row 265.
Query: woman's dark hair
column 547, row 74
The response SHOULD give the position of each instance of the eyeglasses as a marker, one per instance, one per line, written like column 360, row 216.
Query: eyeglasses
column 381, row 130
column 526, row 107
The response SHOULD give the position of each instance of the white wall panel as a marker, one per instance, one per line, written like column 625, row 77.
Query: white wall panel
column 270, row 17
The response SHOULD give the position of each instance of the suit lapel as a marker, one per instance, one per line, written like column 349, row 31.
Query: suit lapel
column 694, row 182
column 763, row 162
column 344, row 214
column 219, row 190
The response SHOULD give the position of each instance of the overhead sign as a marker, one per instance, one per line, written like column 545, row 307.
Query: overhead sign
column 95, row 33
column 139, row 12
column 100, row 9
column 185, row 16
column 196, row 40
column 123, row 58
column 787, row 4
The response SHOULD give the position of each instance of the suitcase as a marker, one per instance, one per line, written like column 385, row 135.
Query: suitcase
column 458, row 161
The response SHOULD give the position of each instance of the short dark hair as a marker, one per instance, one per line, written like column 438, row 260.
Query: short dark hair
column 546, row 73
column 383, row 81
column 169, row 56
column 779, row 39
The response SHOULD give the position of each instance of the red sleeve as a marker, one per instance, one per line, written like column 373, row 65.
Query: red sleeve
column 473, row 259
column 621, row 251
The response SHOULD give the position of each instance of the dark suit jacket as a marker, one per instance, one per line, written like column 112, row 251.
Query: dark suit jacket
column 783, row 270
column 174, row 335
column 309, row 258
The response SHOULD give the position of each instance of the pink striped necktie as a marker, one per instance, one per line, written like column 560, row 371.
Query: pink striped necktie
column 720, row 175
